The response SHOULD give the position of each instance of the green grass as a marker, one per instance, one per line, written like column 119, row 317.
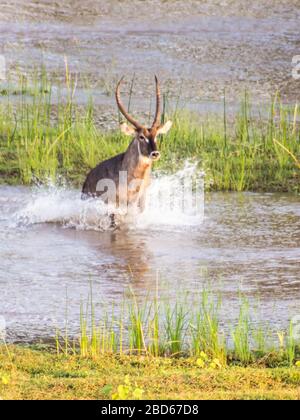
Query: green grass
column 188, row 327
column 241, row 335
column 34, row 374
column 152, row 349
column 205, row 331
column 42, row 140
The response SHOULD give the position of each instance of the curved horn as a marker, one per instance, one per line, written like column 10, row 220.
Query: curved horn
column 157, row 117
column 122, row 108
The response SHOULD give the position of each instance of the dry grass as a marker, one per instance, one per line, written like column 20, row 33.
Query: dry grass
column 30, row 374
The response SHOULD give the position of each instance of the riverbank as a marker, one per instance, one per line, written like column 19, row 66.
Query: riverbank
column 155, row 357
column 37, row 374
column 41, row 140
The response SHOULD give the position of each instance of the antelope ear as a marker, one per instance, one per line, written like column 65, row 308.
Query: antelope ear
column 127, row 130
column 164, row 128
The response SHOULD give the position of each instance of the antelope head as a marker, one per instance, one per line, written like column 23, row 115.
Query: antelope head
column 144, row 137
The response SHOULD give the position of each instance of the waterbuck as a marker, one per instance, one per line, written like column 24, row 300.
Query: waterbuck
column 123, row 179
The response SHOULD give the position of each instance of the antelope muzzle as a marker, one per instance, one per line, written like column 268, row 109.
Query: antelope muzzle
column 155, row 155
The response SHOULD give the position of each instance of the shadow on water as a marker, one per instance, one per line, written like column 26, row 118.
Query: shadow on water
column 131, row 259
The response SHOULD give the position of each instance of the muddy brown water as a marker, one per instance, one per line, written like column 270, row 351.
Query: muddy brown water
column 247, row 243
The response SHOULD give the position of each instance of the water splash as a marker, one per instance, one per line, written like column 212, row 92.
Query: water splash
column 53, row 204
column 172, row 202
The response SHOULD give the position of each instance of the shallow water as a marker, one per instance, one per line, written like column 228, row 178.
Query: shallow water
column 51, row 249
column 197, row 48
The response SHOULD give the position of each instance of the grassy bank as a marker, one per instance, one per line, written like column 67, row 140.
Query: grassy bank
column 153, row 350
column 42, row 137
column 186, row 327
column 32, row 374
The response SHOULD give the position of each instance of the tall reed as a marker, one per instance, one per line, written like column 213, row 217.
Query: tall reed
column 241, row 334
column 205, row 328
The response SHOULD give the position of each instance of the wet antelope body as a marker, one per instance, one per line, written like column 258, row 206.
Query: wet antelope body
column 134, row 164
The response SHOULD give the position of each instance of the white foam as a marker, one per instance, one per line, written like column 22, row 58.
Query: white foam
column 171, row 201
column 169, row 205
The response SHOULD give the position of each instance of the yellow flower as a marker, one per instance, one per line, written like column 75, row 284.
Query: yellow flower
column 203, row 356
column 298, row 364
column 203, row 359
column 216, row 364
column 122, row 394
column 201, row 363
column 5, row 380
column 137, row 394
column 127, row 392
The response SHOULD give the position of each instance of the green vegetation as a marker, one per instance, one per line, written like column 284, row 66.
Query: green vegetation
column 155, row 350
column 35, row 374
column 189, row 328
column 44, row 135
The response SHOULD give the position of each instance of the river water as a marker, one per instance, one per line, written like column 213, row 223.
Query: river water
column 197, row 48
column 52, row 249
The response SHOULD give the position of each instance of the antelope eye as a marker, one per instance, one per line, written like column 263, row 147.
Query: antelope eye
column 143, row 138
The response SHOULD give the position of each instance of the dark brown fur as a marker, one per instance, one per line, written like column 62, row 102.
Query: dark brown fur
column 136, row 161
column 137, row 166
